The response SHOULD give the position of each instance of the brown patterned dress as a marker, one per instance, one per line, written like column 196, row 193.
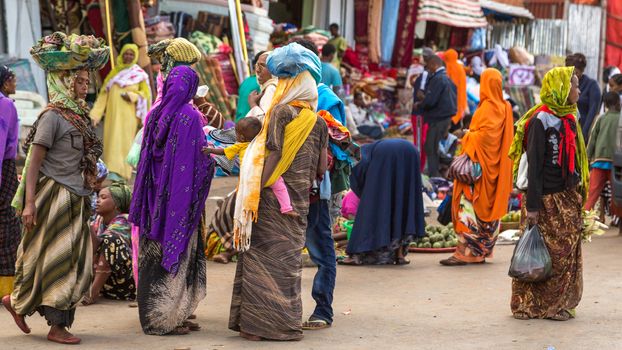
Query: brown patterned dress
column 266, row 298
column 560, row 223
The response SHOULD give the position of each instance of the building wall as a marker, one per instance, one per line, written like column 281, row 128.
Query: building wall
column 23, row 28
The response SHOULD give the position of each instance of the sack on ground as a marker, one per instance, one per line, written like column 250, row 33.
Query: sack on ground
column 531, row 261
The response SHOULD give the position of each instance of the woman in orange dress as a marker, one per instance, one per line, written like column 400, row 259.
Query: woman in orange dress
column 477, row 208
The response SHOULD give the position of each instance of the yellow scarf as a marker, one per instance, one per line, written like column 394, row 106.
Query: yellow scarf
column 299, row 91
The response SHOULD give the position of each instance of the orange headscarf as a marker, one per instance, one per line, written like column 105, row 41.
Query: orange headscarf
column 488, row 143
column 457, row 74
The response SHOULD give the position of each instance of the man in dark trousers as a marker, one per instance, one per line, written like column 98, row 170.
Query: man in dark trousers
column 438, row 106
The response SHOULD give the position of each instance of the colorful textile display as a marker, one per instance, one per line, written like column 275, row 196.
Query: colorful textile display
column 374, row 24
column 461, row 14
column 58, row 51
column 390, row 17
column 402, row 53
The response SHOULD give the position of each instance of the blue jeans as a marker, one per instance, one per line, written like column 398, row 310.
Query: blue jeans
column 322, row 251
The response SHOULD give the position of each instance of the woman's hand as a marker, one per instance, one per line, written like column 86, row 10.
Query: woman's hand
column 532, row 217
column 29, row 216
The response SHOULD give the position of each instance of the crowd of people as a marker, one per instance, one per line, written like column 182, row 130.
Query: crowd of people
column 72, row 230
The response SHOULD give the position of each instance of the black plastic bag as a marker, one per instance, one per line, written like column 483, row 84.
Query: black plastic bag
column 531, row 261
column 444, row 211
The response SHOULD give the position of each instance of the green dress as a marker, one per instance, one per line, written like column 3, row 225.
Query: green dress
column 249, row 85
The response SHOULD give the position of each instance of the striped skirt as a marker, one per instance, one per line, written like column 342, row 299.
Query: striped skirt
column 54, row 261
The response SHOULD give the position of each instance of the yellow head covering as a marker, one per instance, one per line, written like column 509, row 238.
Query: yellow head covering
column 120, row 64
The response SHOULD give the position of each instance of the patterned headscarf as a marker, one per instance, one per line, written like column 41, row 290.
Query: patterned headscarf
column 102, row 170
column 174, row 52
column 75, row 110
column 61, row 91
column 121, row 195
column 556, row 86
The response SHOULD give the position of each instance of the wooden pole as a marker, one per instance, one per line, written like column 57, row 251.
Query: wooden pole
column 603, row 44
column 109, row 33
column 238, row 10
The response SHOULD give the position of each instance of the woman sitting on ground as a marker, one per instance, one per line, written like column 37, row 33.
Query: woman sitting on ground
column 110, row 233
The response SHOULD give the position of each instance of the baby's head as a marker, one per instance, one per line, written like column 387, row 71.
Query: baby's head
column 247, row 128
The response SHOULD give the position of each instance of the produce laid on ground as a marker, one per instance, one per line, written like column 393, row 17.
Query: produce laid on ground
column 592, row 225
column 437, row 237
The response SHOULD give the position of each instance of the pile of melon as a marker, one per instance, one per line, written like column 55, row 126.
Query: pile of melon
column 437, row 237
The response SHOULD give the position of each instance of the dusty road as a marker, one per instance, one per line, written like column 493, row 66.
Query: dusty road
column 420, row 306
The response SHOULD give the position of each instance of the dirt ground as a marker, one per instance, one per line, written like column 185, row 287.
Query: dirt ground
column 419, row 306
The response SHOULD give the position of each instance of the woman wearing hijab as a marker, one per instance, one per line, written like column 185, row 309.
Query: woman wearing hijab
column 266, row 302
column 457, row 74
column 10, row 229
column 110, row 233
column 382, row 233
column 172, row 183
column 53, row 269
column 590, row 99
column 558, row 178
column 477, row 208
column 125, row 99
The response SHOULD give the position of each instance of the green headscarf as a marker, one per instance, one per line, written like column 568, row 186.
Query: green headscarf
column 554, row 94
column 121, row 195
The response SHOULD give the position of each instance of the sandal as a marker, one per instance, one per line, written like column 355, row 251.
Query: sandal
column 315, row 324
column 563, row 315
column 452, row 261
column 192, row 317
column 179, row 331
column 350, row 262
column 402, row 261
column 220, row 259
column 19, row 319
column 521, row 316
column 192, row 326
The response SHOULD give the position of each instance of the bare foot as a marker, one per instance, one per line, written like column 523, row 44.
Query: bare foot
column 60, row 335
column 19, row 319
column 291, row 213
column 89, row 300
column 222, row 258
column 250, row 337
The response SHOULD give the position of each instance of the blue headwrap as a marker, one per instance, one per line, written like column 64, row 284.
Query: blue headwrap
column 102, row 170
column 291, row 60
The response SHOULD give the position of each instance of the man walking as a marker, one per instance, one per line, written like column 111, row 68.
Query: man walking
column 438, row 106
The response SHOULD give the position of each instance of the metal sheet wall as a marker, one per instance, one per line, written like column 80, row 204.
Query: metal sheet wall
column 584, row 35
column 539, row 37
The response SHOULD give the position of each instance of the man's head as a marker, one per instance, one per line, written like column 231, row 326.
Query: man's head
column 359, row 101
column 306, row 44
column 328, row 52
column 578, row 61
column 612, row 101
column 426, row 53
column 247, row 128
column 433, row 63
column 8, row 82
column 334, row 29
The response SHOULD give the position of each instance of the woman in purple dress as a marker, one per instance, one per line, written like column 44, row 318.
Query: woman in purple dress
column 172, row 183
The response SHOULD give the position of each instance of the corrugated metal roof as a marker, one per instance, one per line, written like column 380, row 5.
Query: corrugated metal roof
column 512, row 10
column 539, row 37
column 546, row 9
column 584, row 41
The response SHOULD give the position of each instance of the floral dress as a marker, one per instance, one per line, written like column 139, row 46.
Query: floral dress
column 116, row 248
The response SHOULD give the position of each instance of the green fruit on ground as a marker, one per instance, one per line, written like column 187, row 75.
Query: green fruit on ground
column 451, row 225
column 437, row 245
column 454, row 243
column 427, row 245
column 425, row 239
column 447, row 244
column 437, row 238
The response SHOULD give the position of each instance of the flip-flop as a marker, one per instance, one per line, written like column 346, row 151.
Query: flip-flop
column 521, row 316
column 452, row 261
column 65, row 341
column 402, row 261
column 19, row 320
column 192, row 317
column 250, row 337
column 312, row 325
column 350, row 262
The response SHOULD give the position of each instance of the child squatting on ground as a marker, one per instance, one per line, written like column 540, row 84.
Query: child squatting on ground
column 245, row 131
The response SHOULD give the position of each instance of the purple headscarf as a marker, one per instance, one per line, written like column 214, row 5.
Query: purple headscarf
column 173, row 176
